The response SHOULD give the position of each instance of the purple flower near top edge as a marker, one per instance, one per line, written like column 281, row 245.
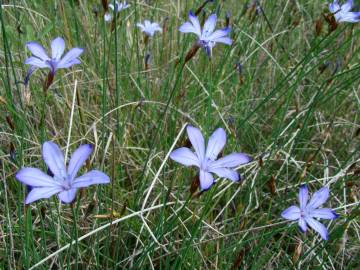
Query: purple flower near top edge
column 308, row 211
column 342, row 13
column 206, row 161
column 64, row 182
column 40, row 58
column 208, row 36
column 149, row 28
column 117, row 8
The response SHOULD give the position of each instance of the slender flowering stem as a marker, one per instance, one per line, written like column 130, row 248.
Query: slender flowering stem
column 71, row 121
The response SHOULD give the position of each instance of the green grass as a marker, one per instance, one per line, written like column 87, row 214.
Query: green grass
column 292, row 106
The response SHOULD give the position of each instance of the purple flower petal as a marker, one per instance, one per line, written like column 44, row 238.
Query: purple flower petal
column 230, row 161
column 35, row 178
column 319, row 198
column 206, row 180
column 302, row 225
column 70, row 58
column 67, row 196
column 69, row 64
column 291, row 213
column 93, row 177
column 37, row 50
column 352, row 17
column 149, row 28
column 216, row 143
column 57, row 48
column 34, row 61
column 54, row 159
column 28, row 74
column 334, row 7
column 185, row 156
column 41, row 193
column 224, row 40
column 187, row 28
column 107, row 17
column 156, row 27
column 226, row 173
column 141, row 26
column 210, row 23
column 147, row 23
column 303, row 196
column 78, row 159
column 197, row 141
column 219, row 34
column 318, row 227
column 347, row 6
column 324, row 213
column 195, row 22
column 111, row 6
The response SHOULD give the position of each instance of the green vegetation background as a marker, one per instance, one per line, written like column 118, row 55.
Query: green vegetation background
column 293, row 106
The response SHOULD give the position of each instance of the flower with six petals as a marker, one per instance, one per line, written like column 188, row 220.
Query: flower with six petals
column 206, row 161
column 40, row 58
column 208, row 36
column 64, row 182
column 149, row 28
column 306, row 213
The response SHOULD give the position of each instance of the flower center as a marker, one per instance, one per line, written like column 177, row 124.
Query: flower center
column 52, row 63
column 205, row 34
column 66, row 185
column 303, row 213
column 204, row 164
column 65, row 182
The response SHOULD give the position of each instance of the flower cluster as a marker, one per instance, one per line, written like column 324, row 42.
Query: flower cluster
column 63, row 180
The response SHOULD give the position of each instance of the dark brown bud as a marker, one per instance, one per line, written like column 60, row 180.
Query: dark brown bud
column 49, row 80
column 318, row 27
column 105, row 5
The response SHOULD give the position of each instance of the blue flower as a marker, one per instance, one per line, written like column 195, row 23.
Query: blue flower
column 64, row 181
column 149, row 28
column 307, row 211
column 117, row 8
column 208, row 36
column 342, row 13
column 40, row 59
column 206, row 160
